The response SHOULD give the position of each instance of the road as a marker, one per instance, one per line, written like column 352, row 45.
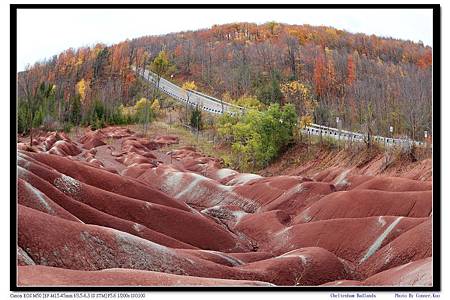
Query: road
column 193, row 98
column 216, row 106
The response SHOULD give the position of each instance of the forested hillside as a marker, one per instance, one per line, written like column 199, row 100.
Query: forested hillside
column 371, row 83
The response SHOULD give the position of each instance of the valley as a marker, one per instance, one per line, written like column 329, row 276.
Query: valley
column 113, row 207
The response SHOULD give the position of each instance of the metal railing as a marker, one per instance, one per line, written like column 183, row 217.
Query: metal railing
column 345, row 135
column 312, row 129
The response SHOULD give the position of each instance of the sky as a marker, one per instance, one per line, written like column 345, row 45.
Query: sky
column 42, row 33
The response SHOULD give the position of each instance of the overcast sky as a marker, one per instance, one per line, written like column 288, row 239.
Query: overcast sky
column 43, row 33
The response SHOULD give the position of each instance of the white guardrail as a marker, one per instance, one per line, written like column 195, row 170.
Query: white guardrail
column 216, row 106
column 345, row 135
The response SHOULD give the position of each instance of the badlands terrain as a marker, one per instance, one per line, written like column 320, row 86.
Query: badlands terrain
column 112, row 208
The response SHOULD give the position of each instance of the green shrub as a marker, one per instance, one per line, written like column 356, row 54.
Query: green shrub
column 196, row 118
column 98, row 124
column 22, row 115
column 38, row 118
column 257, row 137
column 67, row 127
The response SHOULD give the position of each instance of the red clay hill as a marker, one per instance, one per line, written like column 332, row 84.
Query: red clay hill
column 115, row 209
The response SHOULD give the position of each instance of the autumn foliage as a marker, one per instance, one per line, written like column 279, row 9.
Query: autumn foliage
column 344, row 72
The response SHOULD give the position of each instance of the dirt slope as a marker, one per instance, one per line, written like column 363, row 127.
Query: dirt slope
column 114, row 208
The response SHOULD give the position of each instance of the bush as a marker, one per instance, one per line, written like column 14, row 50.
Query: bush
column 22, row 115
column 118, row 117
column 267, row 89
column 248, row 102
column 196, row 118
column 258, row 137
column 97, row 124
column 98, row 110
column 75, row 110
column 38, row 118
column 143, row 112
column 67, row 127
column 156, row 107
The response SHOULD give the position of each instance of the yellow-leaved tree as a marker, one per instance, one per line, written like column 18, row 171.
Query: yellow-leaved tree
column 141, row 104
column 143, row 112
column 161, row 65
column 156, row 107
column 300, row 95
column 249, row 102
column 82, row 88
column 187, row 87
column 305, row 121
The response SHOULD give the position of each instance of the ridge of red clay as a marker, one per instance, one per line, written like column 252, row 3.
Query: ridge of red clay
column 113, row 207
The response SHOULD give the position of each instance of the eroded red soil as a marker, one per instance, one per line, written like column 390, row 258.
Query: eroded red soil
column 114, row 208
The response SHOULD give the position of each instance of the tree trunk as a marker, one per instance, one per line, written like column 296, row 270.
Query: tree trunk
column 31, row 137
column 31, row 128
column 187, row 102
